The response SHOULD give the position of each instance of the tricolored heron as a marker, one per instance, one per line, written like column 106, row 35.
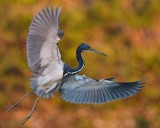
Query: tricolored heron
column 50, row 74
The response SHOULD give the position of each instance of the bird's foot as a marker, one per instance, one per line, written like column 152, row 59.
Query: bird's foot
column 27, row 118
column 9, row 108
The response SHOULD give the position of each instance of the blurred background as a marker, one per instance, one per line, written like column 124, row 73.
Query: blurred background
column 127, row 31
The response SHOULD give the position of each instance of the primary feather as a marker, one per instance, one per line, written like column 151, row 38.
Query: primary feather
column 82, row 89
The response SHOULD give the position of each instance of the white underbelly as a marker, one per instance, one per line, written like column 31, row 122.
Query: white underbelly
column 53, row 73
column 56, row 73
column 45, row 83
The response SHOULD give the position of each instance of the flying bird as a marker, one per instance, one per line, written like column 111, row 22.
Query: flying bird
column 51, row 74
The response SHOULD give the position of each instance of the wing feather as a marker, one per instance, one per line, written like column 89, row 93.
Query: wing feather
column 42, row 40
column 81, row 89
column 43, row 55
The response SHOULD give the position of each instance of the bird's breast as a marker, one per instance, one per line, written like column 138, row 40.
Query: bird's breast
column 53, row 72
column 56, row 73
column 46, row 83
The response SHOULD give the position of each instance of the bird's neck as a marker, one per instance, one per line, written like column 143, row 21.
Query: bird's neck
column 81, row 62
column 79, row 59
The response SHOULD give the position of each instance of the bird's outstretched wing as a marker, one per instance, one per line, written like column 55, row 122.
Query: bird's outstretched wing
column 81, row 89
column 42, row 40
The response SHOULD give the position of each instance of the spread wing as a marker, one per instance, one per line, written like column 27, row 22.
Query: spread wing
column 81, row 89
column 44, row 34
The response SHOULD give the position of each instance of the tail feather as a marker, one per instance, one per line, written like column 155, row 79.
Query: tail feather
column 40, row 90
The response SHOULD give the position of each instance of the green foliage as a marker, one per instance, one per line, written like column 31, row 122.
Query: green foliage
column 142, row 123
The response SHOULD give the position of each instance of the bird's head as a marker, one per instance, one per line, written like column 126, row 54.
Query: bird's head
column 86, row 47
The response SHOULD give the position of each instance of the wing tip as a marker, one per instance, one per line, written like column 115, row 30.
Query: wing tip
column 48, row 9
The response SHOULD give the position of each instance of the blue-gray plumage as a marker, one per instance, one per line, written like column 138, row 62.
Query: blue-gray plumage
column 81, row 89
column 50, row 74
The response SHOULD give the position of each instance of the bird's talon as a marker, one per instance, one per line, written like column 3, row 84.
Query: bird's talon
column 24, row 121
column 9, row 108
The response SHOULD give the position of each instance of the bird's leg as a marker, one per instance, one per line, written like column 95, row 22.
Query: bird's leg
column 30, row 114
column 16, row 104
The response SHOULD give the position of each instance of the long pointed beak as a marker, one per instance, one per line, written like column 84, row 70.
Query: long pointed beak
column 93, row 50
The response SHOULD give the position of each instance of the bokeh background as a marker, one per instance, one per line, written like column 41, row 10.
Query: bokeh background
column 127, row 31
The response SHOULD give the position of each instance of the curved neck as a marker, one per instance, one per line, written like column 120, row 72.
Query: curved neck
column 80, row 60
column 80, row 63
